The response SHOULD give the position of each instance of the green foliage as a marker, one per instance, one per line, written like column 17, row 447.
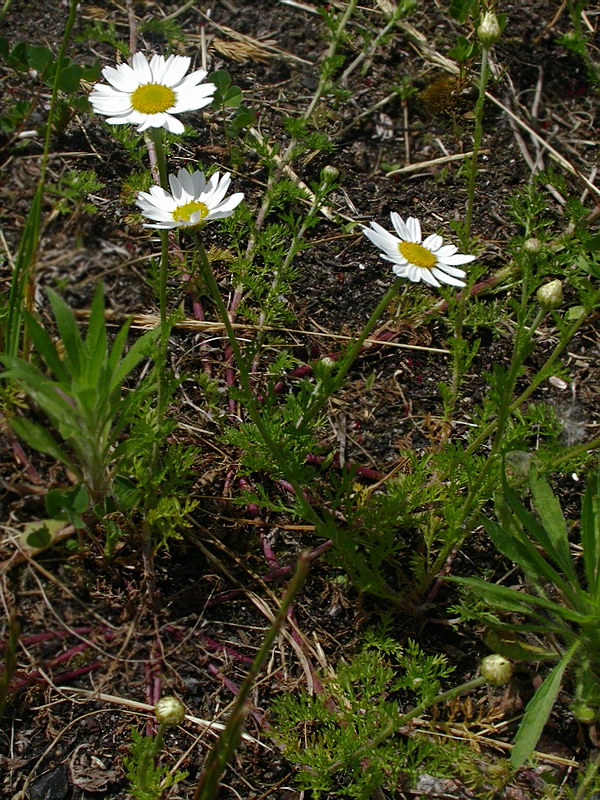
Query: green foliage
column 103, row 33
column 148, row 779
column 81, row 393
column 343, row 735
column 229, row 96
column 73, row 190
column 23, row 57
column 156, row 488
column 563, row 608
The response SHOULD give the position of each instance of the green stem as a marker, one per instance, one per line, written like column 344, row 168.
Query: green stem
column 229, row 739
column 477, row 137
column 324, row 79
column 351, row 355
column 542, row 374
column 157, row 135
column 393, row 727
column 470, row 508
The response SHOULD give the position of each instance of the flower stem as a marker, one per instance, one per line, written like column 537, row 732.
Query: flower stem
column 477, row 137
column 157, row 135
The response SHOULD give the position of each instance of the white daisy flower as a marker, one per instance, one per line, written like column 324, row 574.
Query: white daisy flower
column 193, row 200
column 430, row 260
column 148, row 94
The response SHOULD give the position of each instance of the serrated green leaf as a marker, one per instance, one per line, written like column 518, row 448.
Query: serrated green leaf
column 538, row 711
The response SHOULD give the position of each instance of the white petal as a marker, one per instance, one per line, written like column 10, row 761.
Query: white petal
column 157, row 68
column 456, row 260
column 434, row 242
column 447, row 278
column 428, row 277
column 194, row 78
column 123, row 120
column 125, row 80
column 152, row 121
column 186, row 181
column 227, row 206
column 192, row 98
column 199, row 183
column 141, row 68
column 399, row 226
column 172, row 124
column 176, row 69
column 414, row 229
column 164, row 225
column 176, row 190
column 400, row 271
column 446, row 250
column 458, row 273
column 414, row 273
column 380, row 237
column 220, row 189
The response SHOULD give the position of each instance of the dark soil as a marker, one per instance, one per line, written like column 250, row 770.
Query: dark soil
column 93, row 638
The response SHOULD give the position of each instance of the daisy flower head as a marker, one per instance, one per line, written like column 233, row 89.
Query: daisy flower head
column 148, row 94
column 192, row 201
column 415, row 258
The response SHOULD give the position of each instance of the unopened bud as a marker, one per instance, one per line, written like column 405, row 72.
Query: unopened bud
column 496, row 669
column 583, row 712
column 532, row 246
column 489, row 30
column 330, row 173
column 169, row 711
column 328, row 362
column 550, row 295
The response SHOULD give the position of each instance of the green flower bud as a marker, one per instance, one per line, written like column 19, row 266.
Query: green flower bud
column 329, row 173
column 496, row 669
column 584, row 713
column 532, row 246
column 169, row 711
column 550, row 295
column 489, row 30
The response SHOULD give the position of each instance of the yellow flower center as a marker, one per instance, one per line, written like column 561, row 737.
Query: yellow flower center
column 152, row 98
column 183, row 213
column 417, row 254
